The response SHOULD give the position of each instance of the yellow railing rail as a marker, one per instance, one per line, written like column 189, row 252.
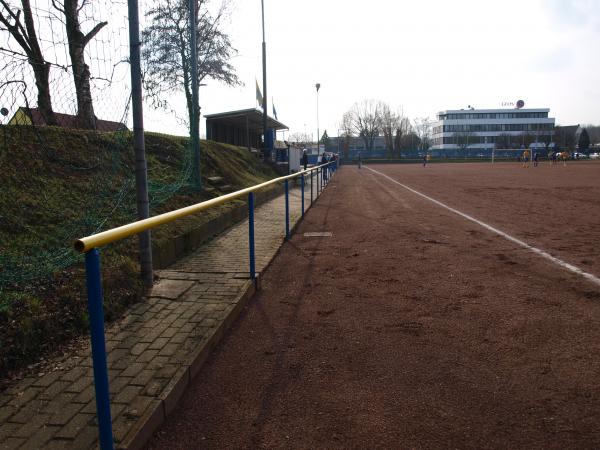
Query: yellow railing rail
column 116, row 234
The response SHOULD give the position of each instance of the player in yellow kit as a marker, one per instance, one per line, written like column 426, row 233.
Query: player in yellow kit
column 526, row 158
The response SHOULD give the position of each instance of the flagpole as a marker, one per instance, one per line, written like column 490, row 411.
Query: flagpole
column 264, row 94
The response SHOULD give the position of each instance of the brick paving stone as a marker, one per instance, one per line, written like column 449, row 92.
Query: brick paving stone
column 38, row 421
column 74, row 374
column 159, row 343
column 64, row 414
column 166, row 372
column 133, row 370
column 24, row 396
column 146, row 356
column 155, row 387
column 58, row 444
column 158, row 362
column 168, row 333
column 89, row 408
column 85, row 395
column 142, row 378
column 40, row 437
column 47, row 379
column 147, row 347
column 11, row 444
column 8, row 430
column 116, row 409
column 169, row 349
column 79, row 385
column 86, row 438
column 6, row 412
column 118, row 385
column 128, row 342
column 127, row 394
column 53, row 390
column 74, row 426
column 26, row 413
column 113, row 373
column 179, row 338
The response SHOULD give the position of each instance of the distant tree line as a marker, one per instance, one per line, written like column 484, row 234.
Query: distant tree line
column 369, row 119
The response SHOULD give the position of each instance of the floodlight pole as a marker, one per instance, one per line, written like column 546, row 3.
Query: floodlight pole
column 264, row 64
column 195, row 125
column 318, row 86
column 141, row 168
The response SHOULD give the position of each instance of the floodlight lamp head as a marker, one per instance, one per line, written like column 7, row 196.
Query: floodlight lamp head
column 318, row 86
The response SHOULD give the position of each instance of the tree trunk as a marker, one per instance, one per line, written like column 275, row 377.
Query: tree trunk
column 41, row 71
column 81, row 71
column 27, row 39
column 81, row 76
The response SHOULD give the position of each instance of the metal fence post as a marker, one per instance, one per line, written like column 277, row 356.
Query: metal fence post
column 96, row 312
column 311, row 186
column 318, row 183
column 287, row 209
column 251, row 237
column 302, row 191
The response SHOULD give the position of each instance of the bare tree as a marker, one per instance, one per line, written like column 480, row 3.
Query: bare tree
column 403, row 129
column 26, row 37
column 302, row 139
column 346, row 133
column 423, row 130
column 593, row 132
column 391, row 122
column 564, row 136
column 166, row 51
column 78, row 40
column 364, row 120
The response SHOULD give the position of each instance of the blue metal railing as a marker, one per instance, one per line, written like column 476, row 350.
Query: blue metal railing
column 90, row 246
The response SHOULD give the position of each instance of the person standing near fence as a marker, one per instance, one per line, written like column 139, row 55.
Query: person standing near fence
column 324, row 169
column 304, row 159
column 359, row 160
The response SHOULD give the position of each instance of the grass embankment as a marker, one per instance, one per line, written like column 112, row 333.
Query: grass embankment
column 57, row 185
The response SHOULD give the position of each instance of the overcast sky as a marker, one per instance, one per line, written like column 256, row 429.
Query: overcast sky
column 423, row 56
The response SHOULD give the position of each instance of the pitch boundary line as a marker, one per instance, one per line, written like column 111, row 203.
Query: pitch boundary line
column 565, row 265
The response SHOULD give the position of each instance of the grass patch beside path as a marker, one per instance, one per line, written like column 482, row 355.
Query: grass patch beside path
column 58, row 185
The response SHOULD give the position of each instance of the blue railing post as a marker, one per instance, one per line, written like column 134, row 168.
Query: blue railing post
column 311, row 186
column 251, row 236
column 302, row 192
column 96, row 312
column 318, row 188
column 287, row 209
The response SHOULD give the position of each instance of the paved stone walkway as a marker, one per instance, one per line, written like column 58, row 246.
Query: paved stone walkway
column 153, row 351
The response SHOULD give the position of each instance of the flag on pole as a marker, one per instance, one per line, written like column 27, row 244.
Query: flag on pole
column 259, row 97
column 274, row 110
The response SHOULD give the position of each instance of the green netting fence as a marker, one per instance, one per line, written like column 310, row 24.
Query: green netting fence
column 29, row 248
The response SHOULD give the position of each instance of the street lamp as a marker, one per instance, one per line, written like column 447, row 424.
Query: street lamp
column 318, row 86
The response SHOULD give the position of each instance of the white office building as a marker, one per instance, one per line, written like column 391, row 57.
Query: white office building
column 476, row 132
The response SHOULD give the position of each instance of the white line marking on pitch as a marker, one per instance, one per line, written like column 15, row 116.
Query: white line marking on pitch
column 594, row 279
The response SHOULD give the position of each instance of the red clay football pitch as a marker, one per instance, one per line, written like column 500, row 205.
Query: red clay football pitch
column 412, row 326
